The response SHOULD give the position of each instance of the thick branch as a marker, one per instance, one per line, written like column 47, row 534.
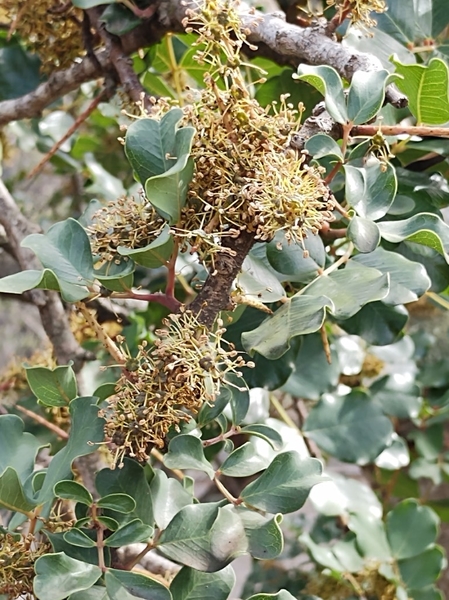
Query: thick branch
column 51, row 309
column 214, row 295
column 281, row 41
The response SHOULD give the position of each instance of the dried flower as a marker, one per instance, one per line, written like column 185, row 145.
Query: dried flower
column 17, row 557
column 123, row 222
column 167, row 384
column 360, row 10
column 50, row 28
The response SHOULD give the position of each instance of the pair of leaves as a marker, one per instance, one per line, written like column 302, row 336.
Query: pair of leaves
column 343, row 292
column 15, row 492
column 365, row 96
column 159, row 153
column 59, row 576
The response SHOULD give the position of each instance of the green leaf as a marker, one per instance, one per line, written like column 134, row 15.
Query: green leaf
column 168, row 498
column 265, row 432
column 89, row 555
column 397, row 396
column 44, row 280
column 298, row 316
column 19, row 70
column 116, row 277
column 58, row 576
column 411, row 528
column 288, row 258
column 153, row 147
column 17, row 449
column 264, row 534
column 285, row 485
column 86, row 431
column 118, row 19
column 377, row 323
column 204, row 537
column 12, row 494
column 321, row 145
column 269, row 374
column 328, row 82
column 209, row 412
column 366, row 95
column 350, row 288
column 190, row 584
column 72, row 490
column 351, row 428
column 153, row 255
column 77, row 537
column 281, row 595
column 427, row 90
column 313, row 375
column 131, row 533
column 244, row 461
column 424, row 228
column 422, row 570
column 239, row 398
column 65, row 249
column 408, row 279
column 85, row 4
column 126, row 585
column 53, row 387
column 186, row 452
column 258, row 282
column 168, row 192
column 364, row 234
column 95, row 593
column 130, row 480
column 427, row 593
column 370, row 532
column 371, row 189
column 122, row 503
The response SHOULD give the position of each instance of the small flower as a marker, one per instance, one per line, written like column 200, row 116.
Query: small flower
column 168, row 384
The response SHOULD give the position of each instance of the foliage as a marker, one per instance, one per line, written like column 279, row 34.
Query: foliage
column 212, row 429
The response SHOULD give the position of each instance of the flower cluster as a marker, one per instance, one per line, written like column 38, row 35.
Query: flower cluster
column 50, row 28
column 17, row 557
column 123, row 222
column 247, row 178
column 360, row 10
column 166, row 384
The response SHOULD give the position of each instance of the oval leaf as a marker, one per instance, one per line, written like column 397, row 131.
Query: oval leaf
column 352, row 428
column 71, row 490
column 58, row 576
column 328, row 82
column 364, row 233
column 285, row 485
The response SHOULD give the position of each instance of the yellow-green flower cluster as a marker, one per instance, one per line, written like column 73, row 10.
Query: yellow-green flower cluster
column 123, row 222
column 51, row 28
column 360, row 10
column 167, row 384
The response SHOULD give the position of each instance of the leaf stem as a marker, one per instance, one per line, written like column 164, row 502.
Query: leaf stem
column 438, row 299
column 226, row 493
column 283, row 413
column 174, row 67
column 223, row 436
column 169, row 302
column 158, row 456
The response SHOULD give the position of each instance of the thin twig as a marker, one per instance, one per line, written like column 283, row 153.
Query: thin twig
column 80, row 119
column 42, row 421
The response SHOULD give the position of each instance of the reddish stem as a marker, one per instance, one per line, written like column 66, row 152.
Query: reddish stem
column 171, row 276
column 169, row 302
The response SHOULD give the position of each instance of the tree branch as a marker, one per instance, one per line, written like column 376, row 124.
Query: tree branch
column 283, row 42
column 49, row 304
column 214, row 295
